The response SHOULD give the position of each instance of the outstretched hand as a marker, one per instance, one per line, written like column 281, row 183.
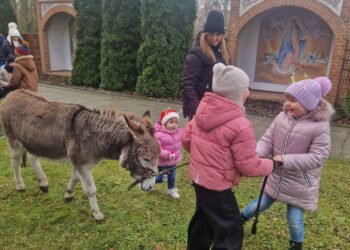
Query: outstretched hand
column 189, row 108
column 3, row 83
column 278, row 158
column 277, row 161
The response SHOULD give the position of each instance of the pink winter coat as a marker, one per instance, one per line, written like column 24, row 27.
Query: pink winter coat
column 222, row 145
column 304, row 145
column 170, row 143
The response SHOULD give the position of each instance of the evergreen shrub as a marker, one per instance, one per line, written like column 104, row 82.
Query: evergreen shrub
column 347, row 105
column 120, row 42
column 166, row 34
column 87, row 55
column 7, row 15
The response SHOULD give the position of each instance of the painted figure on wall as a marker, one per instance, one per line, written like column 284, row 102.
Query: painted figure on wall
column 289, row 45
column 292, row 48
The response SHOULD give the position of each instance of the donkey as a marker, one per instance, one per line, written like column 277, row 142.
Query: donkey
column 67, row 131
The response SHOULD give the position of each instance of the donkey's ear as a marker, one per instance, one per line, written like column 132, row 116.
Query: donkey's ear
column 134, row 128
column 147, row 114
column 146, row 121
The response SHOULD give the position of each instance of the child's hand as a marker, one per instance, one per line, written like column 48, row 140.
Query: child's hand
column 3, row 83
column 277, row 161
column 172, row 157
column 278, row 158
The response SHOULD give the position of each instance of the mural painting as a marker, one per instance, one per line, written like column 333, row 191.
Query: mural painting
column 292, row 43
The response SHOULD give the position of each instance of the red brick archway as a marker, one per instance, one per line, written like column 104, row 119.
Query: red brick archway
column 43, row 24
column 55, row 10
column 335, row 22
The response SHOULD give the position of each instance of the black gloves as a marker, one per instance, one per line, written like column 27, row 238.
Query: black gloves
column 189, row 108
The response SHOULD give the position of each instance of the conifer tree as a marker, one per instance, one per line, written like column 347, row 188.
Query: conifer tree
column 120, row 42
column 87, row 55
column 7, row 15
column 347, row 105
column 166, row 31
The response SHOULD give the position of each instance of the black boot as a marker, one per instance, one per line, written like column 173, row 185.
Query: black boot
column 295, row 245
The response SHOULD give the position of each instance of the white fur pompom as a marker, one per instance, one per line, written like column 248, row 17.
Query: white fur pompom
column 12, row 25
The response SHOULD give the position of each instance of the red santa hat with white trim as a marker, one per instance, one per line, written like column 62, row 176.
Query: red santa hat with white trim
column 168, row 114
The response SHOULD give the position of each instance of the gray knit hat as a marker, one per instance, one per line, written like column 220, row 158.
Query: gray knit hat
column 230, row 82
column 309, row 92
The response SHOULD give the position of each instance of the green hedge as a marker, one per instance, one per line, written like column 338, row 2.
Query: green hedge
column 120, row 42
column 347, row 105
column 87, row 55
column 7, row 15
column 166, row 31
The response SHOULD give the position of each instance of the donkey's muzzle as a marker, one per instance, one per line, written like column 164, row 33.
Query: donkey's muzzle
column 148, row 184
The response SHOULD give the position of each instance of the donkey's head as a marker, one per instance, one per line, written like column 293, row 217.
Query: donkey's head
column 140, row 157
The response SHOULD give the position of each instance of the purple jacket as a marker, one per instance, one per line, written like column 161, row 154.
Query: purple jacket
column 304, row 145
column 170, row 143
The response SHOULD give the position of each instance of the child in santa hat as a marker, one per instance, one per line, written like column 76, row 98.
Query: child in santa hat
column 168, row 135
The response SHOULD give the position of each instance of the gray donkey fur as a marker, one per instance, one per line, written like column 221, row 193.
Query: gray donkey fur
column 67, row 131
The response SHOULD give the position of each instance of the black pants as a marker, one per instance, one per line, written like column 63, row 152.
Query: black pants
column 216, row 222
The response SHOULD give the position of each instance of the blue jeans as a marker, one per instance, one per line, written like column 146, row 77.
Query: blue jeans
column 295, row 216
column 171, row 175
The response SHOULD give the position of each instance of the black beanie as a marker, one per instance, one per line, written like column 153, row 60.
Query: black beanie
column 215, row 23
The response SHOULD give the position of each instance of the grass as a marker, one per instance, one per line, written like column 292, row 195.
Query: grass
column 139, row 220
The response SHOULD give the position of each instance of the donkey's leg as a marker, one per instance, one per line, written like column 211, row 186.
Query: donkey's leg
column 74, row 178
column 89, row 187
column 16, row 151
column 35, row 163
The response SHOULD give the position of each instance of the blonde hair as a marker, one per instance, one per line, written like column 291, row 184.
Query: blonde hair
column 205, row 47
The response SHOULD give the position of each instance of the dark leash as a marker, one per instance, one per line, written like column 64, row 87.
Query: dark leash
column 258, row 206
column 275, row 165
column 169, row 169
column 132, row 185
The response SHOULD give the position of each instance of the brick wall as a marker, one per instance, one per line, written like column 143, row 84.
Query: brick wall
column 43, row 23
column 33, row 40
column 339, row 25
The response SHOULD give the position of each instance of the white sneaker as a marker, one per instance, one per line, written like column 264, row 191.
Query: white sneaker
column 174, row 193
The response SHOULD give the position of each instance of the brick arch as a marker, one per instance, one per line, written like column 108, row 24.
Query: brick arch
column 43, row 36
column 56, row 10
column 335, row 22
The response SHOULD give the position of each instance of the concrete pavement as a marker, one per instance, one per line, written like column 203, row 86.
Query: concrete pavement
column 102, row 99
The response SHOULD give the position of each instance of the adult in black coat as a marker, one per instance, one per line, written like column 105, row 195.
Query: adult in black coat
column 208, row 49
column 8, row 46
column 6, row 50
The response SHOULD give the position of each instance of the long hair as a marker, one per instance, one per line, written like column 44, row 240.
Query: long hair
column 205, row 47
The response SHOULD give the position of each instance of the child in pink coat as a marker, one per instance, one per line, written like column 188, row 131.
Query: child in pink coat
column 168, row 136
column 221, row 143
